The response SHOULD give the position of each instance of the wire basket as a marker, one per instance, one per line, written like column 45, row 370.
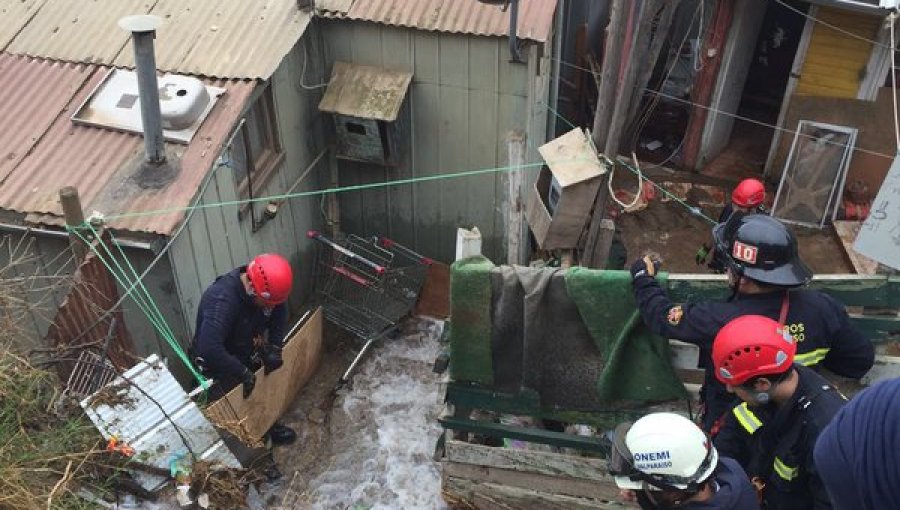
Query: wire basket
column 366, row 285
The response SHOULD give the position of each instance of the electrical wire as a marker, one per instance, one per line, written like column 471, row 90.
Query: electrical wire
column 640, row 184
column 742, row 118
column 829, row 25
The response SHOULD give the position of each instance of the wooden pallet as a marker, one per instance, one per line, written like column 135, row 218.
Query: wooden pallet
column 477, row 476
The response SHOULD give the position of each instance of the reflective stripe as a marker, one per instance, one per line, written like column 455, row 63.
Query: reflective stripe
column 746, row 418
column 784, row 471
column 812, row 357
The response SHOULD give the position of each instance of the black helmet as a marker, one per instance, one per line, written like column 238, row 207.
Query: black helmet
column 762, row 248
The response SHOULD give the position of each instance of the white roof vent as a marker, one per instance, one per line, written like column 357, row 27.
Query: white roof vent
column 184, row 102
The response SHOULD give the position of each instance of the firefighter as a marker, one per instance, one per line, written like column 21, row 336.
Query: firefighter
column 764, row 271
column 240, row 327
column 746, row 198
column 785, row 408
column 664, row 460
column 856, row 453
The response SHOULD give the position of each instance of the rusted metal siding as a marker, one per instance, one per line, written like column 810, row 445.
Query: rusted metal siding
column 234, row 39
column 78, row 325
column 453, row 16
column 465, row 101
column 835, row 62
column 45, row 151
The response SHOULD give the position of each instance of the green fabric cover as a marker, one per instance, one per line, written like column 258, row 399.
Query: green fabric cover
column 470, row 329
column 638, row 366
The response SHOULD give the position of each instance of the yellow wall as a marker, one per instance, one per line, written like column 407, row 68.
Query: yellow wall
column 835, row 62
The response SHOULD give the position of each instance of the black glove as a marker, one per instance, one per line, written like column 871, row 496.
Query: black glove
column 249, row 380
column 702, row 255
column 644, row 266
column 272, row 359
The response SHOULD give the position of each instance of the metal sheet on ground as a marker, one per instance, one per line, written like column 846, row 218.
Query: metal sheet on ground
column 147, row 409
column 274, row 392
column 879, row 237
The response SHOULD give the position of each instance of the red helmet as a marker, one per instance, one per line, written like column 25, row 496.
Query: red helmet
column 271, row 277
column 748, row 193
column 749, row 346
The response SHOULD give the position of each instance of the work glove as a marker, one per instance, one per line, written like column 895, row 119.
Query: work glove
column 702, row 254
column 272, row 359
column 249, row 381
column 644, row 266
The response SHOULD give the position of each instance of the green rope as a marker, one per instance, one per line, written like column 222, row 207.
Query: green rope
column 328, row 191
column 142, row 297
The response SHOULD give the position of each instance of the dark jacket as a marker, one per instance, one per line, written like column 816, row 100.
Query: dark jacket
column 776, row 444
column 227, row 322
column 818, row 322
column 857, row 454
column 733, row 489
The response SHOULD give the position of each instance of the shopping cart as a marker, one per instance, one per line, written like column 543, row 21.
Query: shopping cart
column 366, row 285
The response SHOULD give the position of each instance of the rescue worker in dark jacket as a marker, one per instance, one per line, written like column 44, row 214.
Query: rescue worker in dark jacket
column 857, row 454
column 785, row 408
column 664, row 460
column 241, row 325
column 763, row 271
column 746, row 198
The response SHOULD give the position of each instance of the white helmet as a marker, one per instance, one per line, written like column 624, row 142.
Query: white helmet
column 663, row 451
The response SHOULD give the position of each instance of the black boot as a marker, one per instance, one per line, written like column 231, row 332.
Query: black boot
column 281, row 434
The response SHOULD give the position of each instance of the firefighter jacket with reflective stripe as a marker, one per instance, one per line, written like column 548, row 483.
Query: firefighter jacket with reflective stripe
column 775, row 444
column 818, row 322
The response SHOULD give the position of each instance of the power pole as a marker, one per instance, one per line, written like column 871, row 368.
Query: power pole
column 74, row 216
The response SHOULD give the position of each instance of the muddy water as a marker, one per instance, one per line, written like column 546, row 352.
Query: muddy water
column 381, row 433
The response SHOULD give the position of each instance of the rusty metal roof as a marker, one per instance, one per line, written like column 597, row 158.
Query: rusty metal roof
column 365, row 91
column 456, row 16
column 233, row 39
column 43, row 150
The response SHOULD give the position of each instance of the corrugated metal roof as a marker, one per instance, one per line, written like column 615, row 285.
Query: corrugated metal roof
column 456, row 16
column 13, row 14
column 51, row 152
column 147, row 409
column 233, row 39
column 365, row 91
column 243, row 39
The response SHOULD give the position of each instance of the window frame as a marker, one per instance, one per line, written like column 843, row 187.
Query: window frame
column 260, row 167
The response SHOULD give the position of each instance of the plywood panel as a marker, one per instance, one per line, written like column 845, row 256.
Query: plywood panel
column 274, row 392
column 454, row 112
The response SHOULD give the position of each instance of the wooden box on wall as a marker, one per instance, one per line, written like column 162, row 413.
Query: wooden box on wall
column 366, row 103
column 558, row 205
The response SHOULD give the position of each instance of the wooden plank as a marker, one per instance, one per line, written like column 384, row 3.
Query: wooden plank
column 491, row 496
column 593, row 489
column 545, row 463
column 852, row 290
column 526, row 434
column 274, row 392
column 846, row 232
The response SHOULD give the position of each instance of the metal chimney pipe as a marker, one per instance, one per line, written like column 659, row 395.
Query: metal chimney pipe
column 143, row 31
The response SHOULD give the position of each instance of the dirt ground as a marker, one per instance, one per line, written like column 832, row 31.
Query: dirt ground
column 670, row 230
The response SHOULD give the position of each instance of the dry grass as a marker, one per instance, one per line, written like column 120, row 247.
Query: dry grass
column 44, row 455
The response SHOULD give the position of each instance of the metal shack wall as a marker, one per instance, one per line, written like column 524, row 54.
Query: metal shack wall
column 465, row 101
column 217, row 240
